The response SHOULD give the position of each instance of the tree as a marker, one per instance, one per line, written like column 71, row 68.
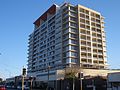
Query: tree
column 71, row 73
column 1, row 79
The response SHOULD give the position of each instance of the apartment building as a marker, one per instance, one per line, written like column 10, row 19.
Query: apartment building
column 67, row 35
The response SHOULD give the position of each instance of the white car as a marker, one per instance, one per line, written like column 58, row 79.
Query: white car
column 26, row 88
column 19, row 87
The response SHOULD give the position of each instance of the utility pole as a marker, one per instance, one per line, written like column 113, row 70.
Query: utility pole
column 23, row 76
column 73, row 83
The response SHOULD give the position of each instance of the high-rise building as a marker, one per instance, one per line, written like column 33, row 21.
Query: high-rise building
column 67, row 35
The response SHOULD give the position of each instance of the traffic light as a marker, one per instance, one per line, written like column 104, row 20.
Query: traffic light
column 80, row 75
column 24, row 71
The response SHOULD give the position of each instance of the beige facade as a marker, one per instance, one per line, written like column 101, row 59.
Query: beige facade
column 59, row 74
column 86, row 35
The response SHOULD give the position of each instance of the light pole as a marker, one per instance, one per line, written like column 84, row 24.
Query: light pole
column 93, row 84
column 48, row 78
column 81, row 83
column 31, row 82
column 73, row 84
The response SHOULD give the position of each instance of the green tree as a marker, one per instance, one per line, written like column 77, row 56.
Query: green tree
column 1, row 79
column 71, row 73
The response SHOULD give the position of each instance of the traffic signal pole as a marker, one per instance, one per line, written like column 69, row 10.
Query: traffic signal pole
column 22, row 82
column 23, row 76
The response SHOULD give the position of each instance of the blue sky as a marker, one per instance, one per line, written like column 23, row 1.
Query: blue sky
column 16, row 23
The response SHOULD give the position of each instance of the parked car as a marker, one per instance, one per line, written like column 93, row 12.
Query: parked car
column 25, row 87
column 19, row 87
column 2, row 87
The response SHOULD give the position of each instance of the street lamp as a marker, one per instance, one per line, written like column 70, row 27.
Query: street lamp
column 31, row 82
column 48, row 78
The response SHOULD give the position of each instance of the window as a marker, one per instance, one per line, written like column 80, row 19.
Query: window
column 87, row 17
column 83, row 31
column 87, row 12
column 72, row 18
column 82, row 15
column 97, row 16
column 72, row 8
column 82, row 25
column 73, row 60
column 82, row 10
column 73, row 35
column 73, row 48
column 82, row 20
column 73, row 24
column 72, row 14
column 73, row 30
column 74, row 54
column 87, row 22
column 73, row 42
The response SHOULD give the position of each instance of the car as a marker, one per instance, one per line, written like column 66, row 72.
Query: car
column 25, row 87
column 2, row 87
column 19, row 87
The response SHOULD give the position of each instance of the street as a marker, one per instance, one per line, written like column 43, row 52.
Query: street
column 19, row 89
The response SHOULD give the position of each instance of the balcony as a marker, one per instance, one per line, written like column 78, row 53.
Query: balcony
column 65, row 20
column 100, row 53
column 100, row 58
column 83, row 50
column 95, row 62
column 65, row 31
column 65, row 37
column 83, row 31
column 82, row 15
column 82, row 26
column 72, row 30
column 100, row 48
column 89, row 57
column 94, row 52
column 83, row 42
column 74, row 20
column 84, row 60
column 95, row 47
column 83, row 56
column 65, row 26
column 73, row 24
column 73, row 14
column 95, row 58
